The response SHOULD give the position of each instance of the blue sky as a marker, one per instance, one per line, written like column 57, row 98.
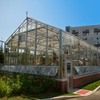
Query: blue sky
column 58, row 13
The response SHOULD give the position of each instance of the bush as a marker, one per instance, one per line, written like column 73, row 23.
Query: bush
column 1, row 57
column 19, row 83
column 3, row 88
column 15, row 84
column 38, row 84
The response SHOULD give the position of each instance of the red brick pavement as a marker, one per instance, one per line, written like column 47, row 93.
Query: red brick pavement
column 82, row 92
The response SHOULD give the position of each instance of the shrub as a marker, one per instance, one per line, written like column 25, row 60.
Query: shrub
column 3, row 88
column 16, row 85
column 19, row 83
column 1, row 57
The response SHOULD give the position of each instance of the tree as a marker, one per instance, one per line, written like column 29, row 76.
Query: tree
column 1, row 55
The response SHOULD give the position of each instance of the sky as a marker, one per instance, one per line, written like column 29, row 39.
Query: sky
column 58, row 13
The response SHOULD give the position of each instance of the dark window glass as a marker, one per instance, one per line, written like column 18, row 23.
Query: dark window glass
column 85, row 30
column 76, row 34
column 74, row 30
column 85, row 39
column 85, row 34
column 96, row 29
column 96, row 33
column 68, row 67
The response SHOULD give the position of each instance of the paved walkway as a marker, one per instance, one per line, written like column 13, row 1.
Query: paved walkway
column 83, row 92
column 93, row 96
column 83, row 95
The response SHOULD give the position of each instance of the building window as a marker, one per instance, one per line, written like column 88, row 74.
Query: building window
column 96, row 38
column 96, row 43
column 85, row 30
column 86, row 38
column 85, row 34
column 96, row 29
column 95, row 33
column 68, row 67
column 74, row 31
column 76, row 34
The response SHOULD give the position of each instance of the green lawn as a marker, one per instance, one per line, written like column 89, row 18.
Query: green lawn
column 92, row 85
column 37, row 96
column 16, row 98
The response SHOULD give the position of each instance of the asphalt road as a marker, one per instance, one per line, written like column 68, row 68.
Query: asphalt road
column 93, row 96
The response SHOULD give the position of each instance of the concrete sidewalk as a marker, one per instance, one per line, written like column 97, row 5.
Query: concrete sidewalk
column 79, row 92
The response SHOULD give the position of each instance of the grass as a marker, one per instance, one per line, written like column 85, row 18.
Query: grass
column 49, row 95
column 15, row 98
column 37, row 96
column 92, row 85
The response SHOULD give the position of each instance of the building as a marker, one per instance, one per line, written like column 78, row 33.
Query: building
column 1, row 53
column 38, row 48
column 90, row 34
column 1, row 45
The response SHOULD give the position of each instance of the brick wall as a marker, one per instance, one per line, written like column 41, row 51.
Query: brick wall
column 62, row 83
column 82, row 80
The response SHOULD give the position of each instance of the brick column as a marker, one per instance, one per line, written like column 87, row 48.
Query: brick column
column 62, row 83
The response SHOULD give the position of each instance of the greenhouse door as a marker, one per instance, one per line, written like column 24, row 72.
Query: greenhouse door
column 69, row 75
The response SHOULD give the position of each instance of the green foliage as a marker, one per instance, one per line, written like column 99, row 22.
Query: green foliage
column 1, row 57
column 19, row 83
column 92, row 86
column 14, row 84
column 38, row 84
column 42, row 59
column 3, row 88
column 23, row 58
column 94, row 62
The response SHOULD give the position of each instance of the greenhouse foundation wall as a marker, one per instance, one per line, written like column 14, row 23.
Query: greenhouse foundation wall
column 62, row 84
column 82, row 80
column 78, row 81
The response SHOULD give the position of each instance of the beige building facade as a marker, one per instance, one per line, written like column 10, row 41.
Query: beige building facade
column 90, row 34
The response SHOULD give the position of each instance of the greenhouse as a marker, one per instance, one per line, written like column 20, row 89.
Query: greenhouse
column 40, row 45
column 38, row 48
